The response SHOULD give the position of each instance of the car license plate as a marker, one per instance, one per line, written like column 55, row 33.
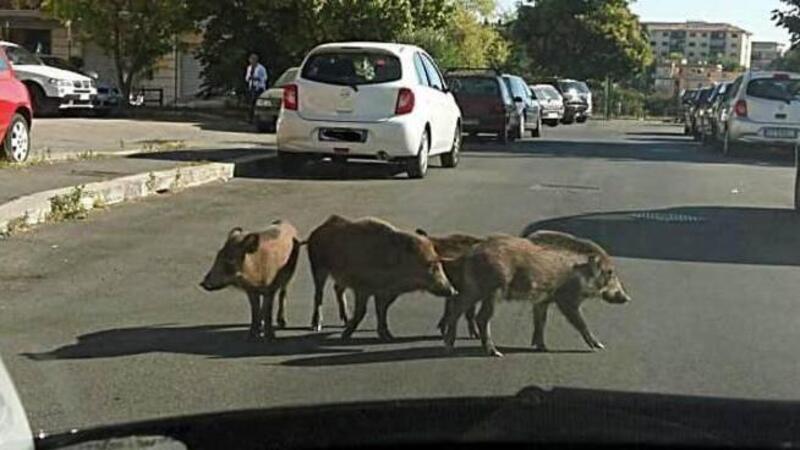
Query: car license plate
column 552, row 115
column 780, row 133
column 471, row 121
column 84, row 97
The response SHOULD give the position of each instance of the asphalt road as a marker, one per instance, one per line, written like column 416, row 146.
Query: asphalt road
column 102, row 321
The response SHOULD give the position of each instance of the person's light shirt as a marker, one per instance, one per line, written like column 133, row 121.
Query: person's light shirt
column 256, row 79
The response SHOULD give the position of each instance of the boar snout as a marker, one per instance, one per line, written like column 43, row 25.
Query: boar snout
column 210, row 284
column 616, row 295
column 441, row 286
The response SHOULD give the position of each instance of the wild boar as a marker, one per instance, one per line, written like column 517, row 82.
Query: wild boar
column 546, row 268
column 372, row 258
column 262, row 265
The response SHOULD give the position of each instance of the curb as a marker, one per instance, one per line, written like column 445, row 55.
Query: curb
column 36, row 208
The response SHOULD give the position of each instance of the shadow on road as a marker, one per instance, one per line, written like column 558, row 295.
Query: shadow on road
column 215, row 341
column 204, row 155
column 734, row 235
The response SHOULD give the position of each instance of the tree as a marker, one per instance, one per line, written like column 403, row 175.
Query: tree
column 586, row 39
column 135, row 33
column 789, row 18
column 282, row 31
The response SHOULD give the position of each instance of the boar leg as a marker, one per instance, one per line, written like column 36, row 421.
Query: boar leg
column 320, row 277
column 382, row 303
column 472, row 326
column 574, row 316
column 281, row 320
column 484, row 316
column 358, row 314
column 458, row 306
column 539, row 321
column 255, row 315
column 341, row 299
column 266, row 310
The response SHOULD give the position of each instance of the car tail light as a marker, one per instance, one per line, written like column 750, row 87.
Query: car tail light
column 290, row 97
column 405, row 101
column 740, row 109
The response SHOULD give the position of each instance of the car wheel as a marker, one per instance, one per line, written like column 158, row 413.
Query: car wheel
column 17, row 142
column 503, row 136
column 41, row 105
column 567, row 120
column 519, row 133
column 797, row 189
column 417, row 166
column 729, row 147
column 450, row 159
column 290, row 163
column 537, row 132
column 551, row 122
column 581, row 119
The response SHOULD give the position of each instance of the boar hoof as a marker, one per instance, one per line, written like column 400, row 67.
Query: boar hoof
column 385, row 336
column 347, row 333
column 539, row 348
column 253, row 337
column 281, row 323
column 494, row 353
column 597, row 345
column 316, row 327
column 270, row 336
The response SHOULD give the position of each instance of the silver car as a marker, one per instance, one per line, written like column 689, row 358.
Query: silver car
column 268, row 104
column 764, row 108
column 527, row 106
column 551, row 102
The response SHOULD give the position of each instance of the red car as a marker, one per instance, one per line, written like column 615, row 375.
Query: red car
column 16, row 115
column 486, row 103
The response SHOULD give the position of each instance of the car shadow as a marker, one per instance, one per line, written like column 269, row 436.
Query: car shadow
column 214, row 341
column 714, row 234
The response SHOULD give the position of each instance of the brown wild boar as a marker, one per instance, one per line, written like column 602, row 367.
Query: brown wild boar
column 372, row 258
column 262, row 265
column 548, row 267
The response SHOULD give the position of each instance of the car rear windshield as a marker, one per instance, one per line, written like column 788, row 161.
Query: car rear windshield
column 352, row 68
column 783, row 89
column 573, row 85
column 474, row 86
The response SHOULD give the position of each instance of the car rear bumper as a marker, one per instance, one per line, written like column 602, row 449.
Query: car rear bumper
column 77, row 101
column 748, row 131
column 397, row 137
column 552, row 114
column 485, row 124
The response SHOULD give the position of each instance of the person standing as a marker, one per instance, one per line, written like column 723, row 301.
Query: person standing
column 256, row 78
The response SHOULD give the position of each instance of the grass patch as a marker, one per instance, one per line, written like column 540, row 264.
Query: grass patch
column 67, row 206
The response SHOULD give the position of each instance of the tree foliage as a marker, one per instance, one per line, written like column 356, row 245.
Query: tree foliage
column 586, row 39
column 135, row 33
column 788, row 17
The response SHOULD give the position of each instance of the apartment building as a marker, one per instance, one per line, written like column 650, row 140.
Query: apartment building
column 764, row 53
column 176, row 75
column 699, row 42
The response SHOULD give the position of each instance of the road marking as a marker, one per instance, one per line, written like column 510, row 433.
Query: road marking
column 563, row 187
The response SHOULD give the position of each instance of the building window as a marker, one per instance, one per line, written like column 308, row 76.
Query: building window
column 703, row 44
column 703, row 54
column 734, row 54
column 704, row 35
column 665, row 34
column 691, row 54
column 653, row 43
column 691, row 44
column 692, row 34
column 664, row 43
column 733, row 45
column 664, row 53
column 734, row 35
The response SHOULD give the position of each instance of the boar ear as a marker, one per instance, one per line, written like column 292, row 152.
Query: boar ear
column 236, row 231
column 422, row 232
column 250, row 242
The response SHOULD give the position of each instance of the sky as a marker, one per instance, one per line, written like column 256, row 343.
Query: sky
column 752, row 15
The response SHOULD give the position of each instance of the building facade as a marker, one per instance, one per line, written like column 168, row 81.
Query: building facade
column 175, row 76
column 763, row 54
column 699, row 42
column 673, row 77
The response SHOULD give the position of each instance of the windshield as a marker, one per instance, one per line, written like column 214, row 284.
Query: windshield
column 352, row 68
column 296, row 206
column 19, row 56
column 774, row 89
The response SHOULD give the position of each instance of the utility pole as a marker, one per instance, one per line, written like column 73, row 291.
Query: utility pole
column 607, row 99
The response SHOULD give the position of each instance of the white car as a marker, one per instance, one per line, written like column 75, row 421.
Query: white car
column 552, row 103
column 369, row 100
column 50, row 88
column 763, row 108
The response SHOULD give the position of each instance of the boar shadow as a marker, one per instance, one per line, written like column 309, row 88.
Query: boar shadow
column 214, row 341
column 267, row 168
column 712, row 234
column 410, row 354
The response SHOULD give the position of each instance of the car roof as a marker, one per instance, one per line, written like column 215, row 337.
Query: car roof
column 397, row 49
column 772, row 73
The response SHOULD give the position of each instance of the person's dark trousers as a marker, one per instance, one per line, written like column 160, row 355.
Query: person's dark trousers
column 252, row 98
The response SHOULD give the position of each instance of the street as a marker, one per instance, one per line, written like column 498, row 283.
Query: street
column 102, row 320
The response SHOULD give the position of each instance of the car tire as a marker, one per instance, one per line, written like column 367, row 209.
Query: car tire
column 504, row 136
column 519, row 131
column 290, row 163
column 451, row 158
column 41, row 105
column 17, row 141
column 581, row 119
column 567, row 120
column 729, row 148
column 797, row 189
column 551, row 122
column 417, row 167
column 264, row 127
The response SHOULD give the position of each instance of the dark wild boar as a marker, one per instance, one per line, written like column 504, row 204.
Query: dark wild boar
column 548, row 267
column 262, row 265
column 372, row 258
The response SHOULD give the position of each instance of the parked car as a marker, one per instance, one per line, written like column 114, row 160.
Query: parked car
column 528, row 109
column 699, row 109
column 551, row 102
column 691, row 112
column 51, row 89
column 710, row 124
column 763, row 108
column 369, row 100
column 486, row 103
column 16, row 114
column 108, row 96
column 687, row 99
column 268, row 105
column 576, row 102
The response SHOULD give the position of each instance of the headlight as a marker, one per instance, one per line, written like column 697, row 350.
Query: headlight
column 59, row 82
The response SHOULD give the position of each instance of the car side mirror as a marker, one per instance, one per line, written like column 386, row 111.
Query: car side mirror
column 518, row 99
